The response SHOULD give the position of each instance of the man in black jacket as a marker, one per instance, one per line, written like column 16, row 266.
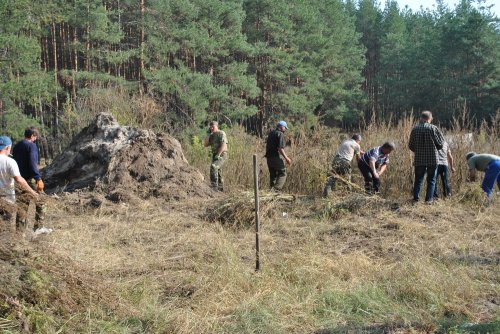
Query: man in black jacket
column 25, row 152
column 275, row 154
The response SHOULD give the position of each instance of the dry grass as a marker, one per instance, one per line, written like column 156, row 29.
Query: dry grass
column 350, row 263
column 379, row 268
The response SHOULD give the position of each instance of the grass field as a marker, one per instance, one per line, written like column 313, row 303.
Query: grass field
column 348, row 264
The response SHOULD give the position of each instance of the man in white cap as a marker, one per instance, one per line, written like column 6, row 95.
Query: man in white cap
column 9, row 172
column 275, row 154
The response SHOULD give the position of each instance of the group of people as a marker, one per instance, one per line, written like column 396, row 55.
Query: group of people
column 433, row 159
column 22, row 170
column 275, row 154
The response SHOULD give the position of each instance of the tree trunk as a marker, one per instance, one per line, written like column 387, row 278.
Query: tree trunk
column 141, row 65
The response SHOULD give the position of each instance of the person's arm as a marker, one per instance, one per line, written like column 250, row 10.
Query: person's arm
column 450, row 161
column 438, row 138
column 281, row 151
column 472, row 175
column 373, row 168
column 411, row 144
column 382, row 169
column 25, row 186
column 33, row 162
column 222, row 149
column 206, row 142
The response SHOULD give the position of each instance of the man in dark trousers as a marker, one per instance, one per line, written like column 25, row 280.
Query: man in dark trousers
column 275, row 154
column 217, row 140
column 373, row 163
column 425, row 141
column 25, row 152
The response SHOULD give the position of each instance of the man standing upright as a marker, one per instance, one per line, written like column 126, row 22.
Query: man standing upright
column 25, row 152
column 9, row 172
column 275, row 153
column 444, row 166
column 425, row 141
column 341, row 164
column 217, row 140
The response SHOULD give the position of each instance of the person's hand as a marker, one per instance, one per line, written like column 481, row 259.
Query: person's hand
column 375, row 174
column 453, row 170
column 35, row 195
column 39, row 185
column 289, row 161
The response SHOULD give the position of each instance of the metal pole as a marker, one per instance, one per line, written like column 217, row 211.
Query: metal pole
column 257, row 222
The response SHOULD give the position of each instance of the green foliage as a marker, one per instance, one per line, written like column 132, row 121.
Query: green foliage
column 14, row 122
column 250, row 60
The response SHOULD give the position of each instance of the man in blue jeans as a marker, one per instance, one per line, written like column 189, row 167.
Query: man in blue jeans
column 425, row 141
column 444, row 166
column 490, row 165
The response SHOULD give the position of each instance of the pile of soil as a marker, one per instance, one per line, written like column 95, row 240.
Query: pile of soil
column 124, row 163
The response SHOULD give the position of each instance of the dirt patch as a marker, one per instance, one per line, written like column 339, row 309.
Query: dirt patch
column 124, row 163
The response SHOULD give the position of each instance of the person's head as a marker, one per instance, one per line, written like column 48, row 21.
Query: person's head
column 469, row 155
column 282, row 126
column 213, row 126
column 356, row 137
column 31, row 133
column 5, row 145
column 388, row 147
column 426, row 116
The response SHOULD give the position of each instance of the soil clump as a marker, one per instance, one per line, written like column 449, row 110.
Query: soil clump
column 124, row 163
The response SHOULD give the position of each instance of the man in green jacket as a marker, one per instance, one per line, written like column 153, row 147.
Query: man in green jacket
column 217, row 140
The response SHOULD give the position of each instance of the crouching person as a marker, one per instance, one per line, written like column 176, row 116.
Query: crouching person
column 341, row 164
column 373, row 164
column 490, row 165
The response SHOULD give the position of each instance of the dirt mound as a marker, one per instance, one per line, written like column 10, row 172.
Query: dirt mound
column 124, row 163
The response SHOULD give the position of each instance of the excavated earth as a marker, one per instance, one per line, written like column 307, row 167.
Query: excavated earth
column 124, row 163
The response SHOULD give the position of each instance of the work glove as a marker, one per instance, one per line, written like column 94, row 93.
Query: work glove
column 39, row 185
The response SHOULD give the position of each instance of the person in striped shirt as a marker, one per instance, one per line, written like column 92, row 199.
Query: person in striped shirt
column 373, row 163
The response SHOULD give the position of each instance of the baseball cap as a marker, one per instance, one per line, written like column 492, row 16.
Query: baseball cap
column 283, row 123
column 470, row 155
column 4, row 142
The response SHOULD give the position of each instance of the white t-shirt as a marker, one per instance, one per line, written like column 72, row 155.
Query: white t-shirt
column 443, row 155
column 347, row 149
column 8, row 170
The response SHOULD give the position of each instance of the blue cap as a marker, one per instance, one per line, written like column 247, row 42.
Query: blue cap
column 283, row 123
column 4, row 142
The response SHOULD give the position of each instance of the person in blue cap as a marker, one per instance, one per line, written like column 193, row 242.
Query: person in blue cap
column 9, row 174
column 276, row 156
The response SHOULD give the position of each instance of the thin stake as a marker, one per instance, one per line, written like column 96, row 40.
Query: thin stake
column 257, row 222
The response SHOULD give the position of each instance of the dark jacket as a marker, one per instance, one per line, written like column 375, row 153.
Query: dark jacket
column 26, row 155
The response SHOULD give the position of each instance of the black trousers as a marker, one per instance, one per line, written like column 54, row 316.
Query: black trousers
column 372, row 183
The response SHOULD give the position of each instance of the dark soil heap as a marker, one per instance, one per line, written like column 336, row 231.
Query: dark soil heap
column 123, row 163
